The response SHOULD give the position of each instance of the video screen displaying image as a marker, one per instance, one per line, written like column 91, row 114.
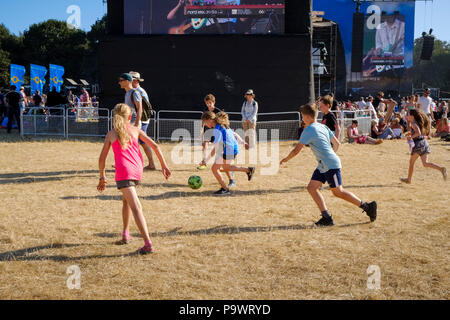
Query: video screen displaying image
column 204, row 17
column 384, row 46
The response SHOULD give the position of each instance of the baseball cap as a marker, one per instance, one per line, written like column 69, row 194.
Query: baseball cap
column 126, row 76
column 136, row 76
column 249, row 91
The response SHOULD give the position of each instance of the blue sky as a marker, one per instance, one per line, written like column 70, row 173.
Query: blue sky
column 18, row 15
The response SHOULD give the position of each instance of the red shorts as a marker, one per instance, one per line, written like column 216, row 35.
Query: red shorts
column 361, row 139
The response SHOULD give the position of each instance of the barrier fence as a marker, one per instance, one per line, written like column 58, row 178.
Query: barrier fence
column 172, row 125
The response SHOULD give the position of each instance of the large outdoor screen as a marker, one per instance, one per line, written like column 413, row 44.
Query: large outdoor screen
column 384, row 45
column 204, row 17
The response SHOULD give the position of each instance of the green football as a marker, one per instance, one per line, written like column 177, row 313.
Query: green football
column 195, row 182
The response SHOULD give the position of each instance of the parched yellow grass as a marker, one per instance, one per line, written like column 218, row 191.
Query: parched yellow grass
column 257, row 244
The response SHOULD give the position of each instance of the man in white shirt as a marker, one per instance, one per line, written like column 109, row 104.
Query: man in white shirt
column 424, row 104
column 369, row 106
column 361, row 104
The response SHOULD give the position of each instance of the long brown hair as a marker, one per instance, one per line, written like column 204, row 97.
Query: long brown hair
column 220, row 118
column 121, row 114
column 421, row 119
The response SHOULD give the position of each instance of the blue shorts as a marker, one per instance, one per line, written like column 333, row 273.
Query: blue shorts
column 332, row 176
column 144, row 127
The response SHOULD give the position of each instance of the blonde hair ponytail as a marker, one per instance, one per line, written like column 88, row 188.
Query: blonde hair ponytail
column 222, row 119
column 121, row 113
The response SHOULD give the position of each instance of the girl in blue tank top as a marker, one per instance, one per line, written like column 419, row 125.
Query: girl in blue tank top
column 225, row 149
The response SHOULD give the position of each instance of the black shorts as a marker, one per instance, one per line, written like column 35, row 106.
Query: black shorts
column 229, row 156
column 126, row 183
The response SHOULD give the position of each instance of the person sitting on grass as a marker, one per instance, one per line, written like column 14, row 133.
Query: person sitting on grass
column 353, row 135
column 380, row 130
column 396, row 128
column 324, row 145
column 442, row 128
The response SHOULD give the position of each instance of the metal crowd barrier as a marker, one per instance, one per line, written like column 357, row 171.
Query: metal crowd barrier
column 170, row 128
column 87, row 121
column 43, row 121
column 172, row 124
column 173, row 127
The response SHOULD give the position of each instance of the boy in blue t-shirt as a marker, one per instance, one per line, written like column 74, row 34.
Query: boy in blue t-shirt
column 318, row 137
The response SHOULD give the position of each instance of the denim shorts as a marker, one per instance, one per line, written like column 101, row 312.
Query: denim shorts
column 332, row 176
column 126, row 183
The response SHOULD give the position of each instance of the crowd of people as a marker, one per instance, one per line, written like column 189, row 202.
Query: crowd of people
column 389, row 118
column 13, row 103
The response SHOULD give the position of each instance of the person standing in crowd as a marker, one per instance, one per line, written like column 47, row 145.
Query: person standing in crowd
column 132, row 98
column 23, row 101
column 329, row 119
column 37, row 99
column 84, row 98
column 424, row 104
column 361, row 104
column 13, row 107
column 71, row 99
column 249, row 113
column 370, row 107
column 148, row 151
column 377, row 100
column 334, row 106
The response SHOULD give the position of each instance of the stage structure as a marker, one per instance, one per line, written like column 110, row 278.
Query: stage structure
column 378, row 41
column 328, row 58
column 211, row 46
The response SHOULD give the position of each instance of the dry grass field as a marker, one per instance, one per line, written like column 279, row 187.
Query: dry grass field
column 259, row 243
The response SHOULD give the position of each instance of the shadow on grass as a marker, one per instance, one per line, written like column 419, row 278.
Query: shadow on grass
column 26, row 254
column 189, row 194
column 32, row 177
column 223, row 229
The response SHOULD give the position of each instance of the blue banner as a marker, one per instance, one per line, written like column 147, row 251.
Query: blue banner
column 17, row 73
column 56, row 74
column 37, row 77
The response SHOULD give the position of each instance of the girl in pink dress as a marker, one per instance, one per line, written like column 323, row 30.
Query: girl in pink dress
column 129, row 167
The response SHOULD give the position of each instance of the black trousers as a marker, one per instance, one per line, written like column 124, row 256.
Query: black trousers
column 13, row 113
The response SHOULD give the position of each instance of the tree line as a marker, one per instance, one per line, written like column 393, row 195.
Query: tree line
column 52, row 42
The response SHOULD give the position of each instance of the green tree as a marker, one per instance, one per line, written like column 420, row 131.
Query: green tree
column 54, row 42
column 4, row 69
column 435, row 72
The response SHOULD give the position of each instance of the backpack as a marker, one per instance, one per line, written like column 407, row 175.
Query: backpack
column 147, row 108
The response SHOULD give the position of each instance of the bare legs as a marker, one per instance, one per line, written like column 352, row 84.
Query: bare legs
column 148, row 152
column 227, row 167
column 314, row 190
column 425, row 163
column 131, row 204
